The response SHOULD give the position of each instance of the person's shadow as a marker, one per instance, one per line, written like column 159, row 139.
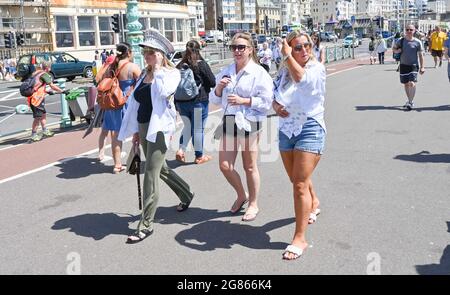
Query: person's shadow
column 82, row 167
column 425, row 157
column 97, row 225
column 400, row 108
column 169, row 215
column 442, row 268
column 216, row 234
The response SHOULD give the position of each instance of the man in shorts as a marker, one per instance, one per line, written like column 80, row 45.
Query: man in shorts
column 411, row 62
column 437, row 45
column 37, row 100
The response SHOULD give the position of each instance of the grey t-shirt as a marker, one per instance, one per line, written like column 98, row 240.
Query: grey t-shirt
column 410, row 50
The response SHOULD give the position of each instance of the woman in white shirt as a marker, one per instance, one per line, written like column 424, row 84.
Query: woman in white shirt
column 319, row 50
column 244, row 89
column 299, row 101
column 150, row 118
column 381, row 49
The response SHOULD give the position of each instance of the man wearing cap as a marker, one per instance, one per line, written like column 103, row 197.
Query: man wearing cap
column 37, row 100
column 151, row 119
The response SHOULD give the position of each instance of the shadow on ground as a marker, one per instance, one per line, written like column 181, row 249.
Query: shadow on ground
column 217, row 234
column 169, row 215
column 82, row 167
column 425, row 157
column 441, row 268
column 97, row 225
column 400, row 108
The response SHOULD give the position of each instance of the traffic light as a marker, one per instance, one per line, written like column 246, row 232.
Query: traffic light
column 115, row 23
column 310, row 23
column 20, row 38
column 9, row 40
column 220, row 23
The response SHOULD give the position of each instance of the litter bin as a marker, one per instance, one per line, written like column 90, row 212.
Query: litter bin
column 77, row 100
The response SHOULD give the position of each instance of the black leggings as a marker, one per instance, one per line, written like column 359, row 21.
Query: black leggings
column 381, row 57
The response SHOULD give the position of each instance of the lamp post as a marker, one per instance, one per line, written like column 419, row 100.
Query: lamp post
column 135, row 35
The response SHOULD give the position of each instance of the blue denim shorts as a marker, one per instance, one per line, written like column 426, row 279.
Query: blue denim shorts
column 311, row 139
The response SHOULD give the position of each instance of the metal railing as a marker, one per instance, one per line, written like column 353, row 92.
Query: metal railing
column 335, row 53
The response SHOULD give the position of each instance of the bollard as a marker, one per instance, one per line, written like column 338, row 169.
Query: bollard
column 65, row 118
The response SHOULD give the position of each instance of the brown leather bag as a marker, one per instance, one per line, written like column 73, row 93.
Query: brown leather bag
column 109, row 94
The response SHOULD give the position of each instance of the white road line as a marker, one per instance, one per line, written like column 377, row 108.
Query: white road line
column 58, row 162
column 338, row 72
column 8, row 91
column 9, row 95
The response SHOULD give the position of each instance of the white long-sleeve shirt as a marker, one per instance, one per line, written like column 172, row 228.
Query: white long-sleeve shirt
column 163, row 116
column 251, row 82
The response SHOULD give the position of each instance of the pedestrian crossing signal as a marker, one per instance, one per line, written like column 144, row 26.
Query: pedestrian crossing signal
column 115, row 23
column 20, row 39
column 9, row 40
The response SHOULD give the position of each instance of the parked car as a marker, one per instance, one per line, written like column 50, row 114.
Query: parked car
column 209, row 39
column 328, row 37
column 64, row 65
column 350, row 41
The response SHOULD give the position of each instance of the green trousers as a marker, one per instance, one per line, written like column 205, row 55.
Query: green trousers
column 155, row 168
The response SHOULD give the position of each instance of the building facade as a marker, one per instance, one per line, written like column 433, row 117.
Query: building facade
column 238, row 15
column 81, row 27
column 268, row 19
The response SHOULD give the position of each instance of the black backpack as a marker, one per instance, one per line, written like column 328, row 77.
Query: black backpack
column 27, row 88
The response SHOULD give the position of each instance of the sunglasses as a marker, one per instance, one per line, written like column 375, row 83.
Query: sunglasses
column 299, row 47
column 409, row 30
column 240, row 48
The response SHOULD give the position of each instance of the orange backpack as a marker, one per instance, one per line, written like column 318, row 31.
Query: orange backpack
column 109, row 94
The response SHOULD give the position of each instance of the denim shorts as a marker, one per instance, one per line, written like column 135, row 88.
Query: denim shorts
column 311, row 139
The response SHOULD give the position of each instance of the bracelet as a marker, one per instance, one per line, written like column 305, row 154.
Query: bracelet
column 286, row 57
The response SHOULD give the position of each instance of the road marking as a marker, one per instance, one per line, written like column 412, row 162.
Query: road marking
column 60, row 162
column 9, row 95
column 8, row 91
column 341, row 71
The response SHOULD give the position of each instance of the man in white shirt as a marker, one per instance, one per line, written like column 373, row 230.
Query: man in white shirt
column 265, row 55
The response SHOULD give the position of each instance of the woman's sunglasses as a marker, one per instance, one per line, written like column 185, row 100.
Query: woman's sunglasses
column 240, row 48
column 299, row 47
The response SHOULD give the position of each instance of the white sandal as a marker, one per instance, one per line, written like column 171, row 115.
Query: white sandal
column 294, row 250
column 313, row 216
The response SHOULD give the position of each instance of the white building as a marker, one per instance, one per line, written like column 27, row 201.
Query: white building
column 290, row 12
column 323, row 11
column 196, row 18
column 438, row 6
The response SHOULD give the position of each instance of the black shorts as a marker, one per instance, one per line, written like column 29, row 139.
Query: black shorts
column 408, row 73
column 231, row 129
column 437, row 53
column 38, row 112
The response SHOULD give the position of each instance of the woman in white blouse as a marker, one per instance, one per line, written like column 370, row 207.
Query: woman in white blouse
column 150, row 118
column 299, row 101
column 319, row 50
column 245, row 91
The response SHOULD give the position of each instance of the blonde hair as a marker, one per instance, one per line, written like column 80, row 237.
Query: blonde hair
column 296, row 34
column 247, row 37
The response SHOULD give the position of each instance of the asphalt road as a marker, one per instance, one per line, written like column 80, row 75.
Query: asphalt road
column 382, row 182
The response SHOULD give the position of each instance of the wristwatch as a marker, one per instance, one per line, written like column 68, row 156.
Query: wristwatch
column 286, row 57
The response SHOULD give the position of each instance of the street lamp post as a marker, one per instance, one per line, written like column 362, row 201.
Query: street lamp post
column 135, row 35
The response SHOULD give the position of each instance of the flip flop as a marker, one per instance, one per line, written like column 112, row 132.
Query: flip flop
column 180, row 157
column 294, row 250
column 117, row 170
column 203, row 159
column 313, row 216
column 240, row 207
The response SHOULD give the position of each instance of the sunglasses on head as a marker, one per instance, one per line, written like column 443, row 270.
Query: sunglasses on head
column 238, row 47
column 299, row 47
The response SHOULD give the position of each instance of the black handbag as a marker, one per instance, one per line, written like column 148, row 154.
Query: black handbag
column 134, row 168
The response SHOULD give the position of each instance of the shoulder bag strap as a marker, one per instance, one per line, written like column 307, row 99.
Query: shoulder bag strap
column 119, row 69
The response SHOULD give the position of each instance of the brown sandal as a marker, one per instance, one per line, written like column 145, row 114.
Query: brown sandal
column 203, row 159
column 180, row 157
